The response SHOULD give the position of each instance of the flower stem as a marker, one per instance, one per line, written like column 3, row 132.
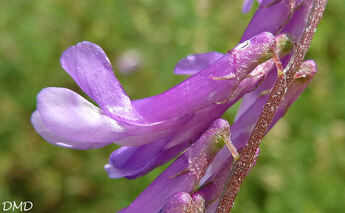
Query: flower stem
column 247, row 157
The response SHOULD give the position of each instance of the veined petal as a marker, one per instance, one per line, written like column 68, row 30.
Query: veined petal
column 89, row 66
column 196, row 62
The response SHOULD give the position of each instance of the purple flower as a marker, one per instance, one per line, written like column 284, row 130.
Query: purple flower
column 156, row 129
column 163, row 123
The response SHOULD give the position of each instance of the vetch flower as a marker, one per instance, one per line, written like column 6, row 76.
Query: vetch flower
column 66, row 119
column 185, row 118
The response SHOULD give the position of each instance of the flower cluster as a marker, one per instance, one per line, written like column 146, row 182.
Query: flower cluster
column 156, row 129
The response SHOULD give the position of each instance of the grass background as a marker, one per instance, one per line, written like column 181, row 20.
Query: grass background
column 302, row 162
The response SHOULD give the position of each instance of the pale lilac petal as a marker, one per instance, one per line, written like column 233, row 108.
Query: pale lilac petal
column 247, row 5
column 58, row 140
column 71, row 116
column 196, row 62
column 89, row 66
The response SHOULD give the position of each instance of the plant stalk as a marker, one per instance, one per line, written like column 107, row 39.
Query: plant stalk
column 242, row 166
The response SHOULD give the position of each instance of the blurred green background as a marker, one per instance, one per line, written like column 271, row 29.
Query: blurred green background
column 302, row 162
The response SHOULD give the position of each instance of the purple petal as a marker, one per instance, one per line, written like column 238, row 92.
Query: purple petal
column 196, row 62
column 184, row 173
column 131, row 162
column 268, row 19
column 89, row 66
column 200, row 90
column 212, row 190
column 244, row 124
column 295, row 26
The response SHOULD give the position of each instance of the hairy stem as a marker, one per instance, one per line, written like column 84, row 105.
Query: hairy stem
column 247, row 157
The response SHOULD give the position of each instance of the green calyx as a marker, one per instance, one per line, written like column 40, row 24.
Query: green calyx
column 283, row 46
